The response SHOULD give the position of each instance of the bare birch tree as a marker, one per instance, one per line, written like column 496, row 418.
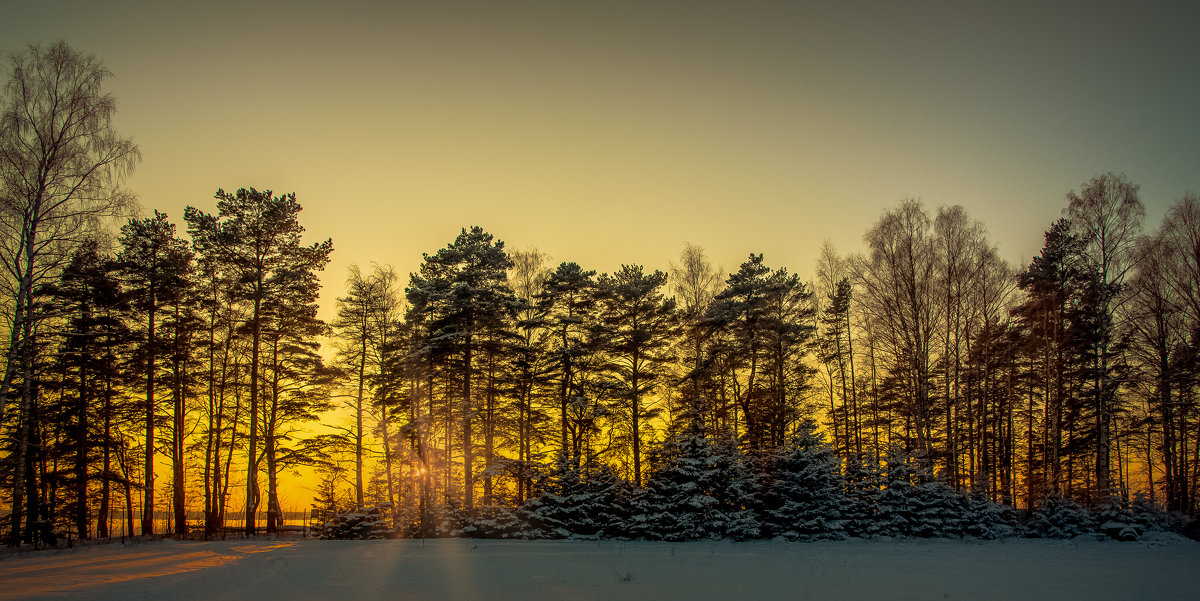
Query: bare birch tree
column 62, row 167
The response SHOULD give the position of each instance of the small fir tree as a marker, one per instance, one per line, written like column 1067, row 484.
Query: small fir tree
column 939, row 511
column 896, row 512
column 572, row 502
column 701, row 490
column 862, row 486
column 988, row 520
column 802, row 489
column 1059, row 517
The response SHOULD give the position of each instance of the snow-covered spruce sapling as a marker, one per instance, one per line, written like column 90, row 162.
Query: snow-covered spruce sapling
column 862, row 483
column 700, row 489
column 572, row 502
column 1056, row 516
column 360, row 524
column 801, row 491
column 988, row 520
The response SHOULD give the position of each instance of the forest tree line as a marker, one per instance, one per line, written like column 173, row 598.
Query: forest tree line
column 135, row 350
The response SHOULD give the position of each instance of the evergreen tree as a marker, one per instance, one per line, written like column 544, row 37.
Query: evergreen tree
column 296, row 382
column 1052, row 283
column 788, row 332
column 1107, row 216
column 255, row 238
column 574, row 502
column 1059, row 517
column 555, row 508
column 701, row 489
column 739, row 312
column 181, row 327
column 636, row 323
column 88, row 301
column 155, row 265
column 938, row 510
column 914, row 502
column 896, row 512
column 863, row 482
column 988, row 520
column 463, row 292
column 802, row 492
column 567, row 308
column 835, row 350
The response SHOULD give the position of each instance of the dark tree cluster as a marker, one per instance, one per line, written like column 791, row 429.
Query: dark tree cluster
column 700, row 488
column 921, row 388
column 190, row 354
column 132, row 352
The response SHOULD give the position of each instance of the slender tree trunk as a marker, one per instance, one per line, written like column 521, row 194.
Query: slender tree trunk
column 178, row 434
column 24, row 418
column 468, row 451
column 387, row 465
column 564, row 390
column 1103, row 433
column 82, row 405
column 151, row 353
column 252, row 456
column 489, row 429
column 223, row 480
column 103, row 529
column 358, row 422
column 636, row 409
column 270, row 420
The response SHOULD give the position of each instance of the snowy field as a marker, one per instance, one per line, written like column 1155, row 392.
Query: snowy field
column 1166, row 567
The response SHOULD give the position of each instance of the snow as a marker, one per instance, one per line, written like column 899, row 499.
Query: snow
column 1159, row 567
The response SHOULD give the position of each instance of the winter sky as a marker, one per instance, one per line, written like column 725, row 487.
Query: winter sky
column 613, row 132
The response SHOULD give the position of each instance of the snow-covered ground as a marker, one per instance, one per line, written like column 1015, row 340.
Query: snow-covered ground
column 1166, row 567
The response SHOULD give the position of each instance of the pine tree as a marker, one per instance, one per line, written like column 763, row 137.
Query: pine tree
column 567, row 308
column 636, row 323
column 462, row 291
column 573, row 502
column 554, row 508
column 990, row 521
column 896, row 513
column 88, row 300
column 938, row 510
column 738, row 312
column 255, row 238
column 916, row 503
column 155, row 265
column 296, row 382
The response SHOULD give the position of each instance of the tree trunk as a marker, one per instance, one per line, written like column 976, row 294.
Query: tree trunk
column 468, row 454
column 358, row 422
column 252, row 456
column 148, row 481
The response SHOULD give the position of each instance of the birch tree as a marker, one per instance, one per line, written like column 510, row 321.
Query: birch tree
column 62, row 168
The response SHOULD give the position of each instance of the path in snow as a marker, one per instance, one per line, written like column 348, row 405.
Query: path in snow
column 462, row 569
